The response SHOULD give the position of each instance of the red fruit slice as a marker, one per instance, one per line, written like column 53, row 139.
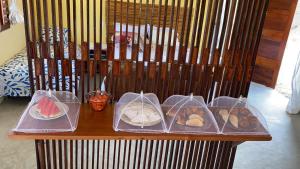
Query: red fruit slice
column 52, row 110
column 42, row 102
column 48, row 107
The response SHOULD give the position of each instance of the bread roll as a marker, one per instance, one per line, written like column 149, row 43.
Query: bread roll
column 196, row 116
column 234, row 120
column 224, row 114
column 195, row 122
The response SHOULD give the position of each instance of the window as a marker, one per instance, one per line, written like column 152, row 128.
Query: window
column 4, row 21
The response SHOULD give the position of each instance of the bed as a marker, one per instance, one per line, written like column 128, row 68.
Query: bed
column 15, row 76
column 14, row 73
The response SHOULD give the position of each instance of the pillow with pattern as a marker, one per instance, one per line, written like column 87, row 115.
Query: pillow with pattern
column 51, row 35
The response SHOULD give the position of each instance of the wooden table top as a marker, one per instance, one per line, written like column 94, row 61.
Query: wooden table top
column 98, row 125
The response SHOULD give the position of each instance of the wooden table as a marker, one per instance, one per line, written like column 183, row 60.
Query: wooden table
column 96, row 145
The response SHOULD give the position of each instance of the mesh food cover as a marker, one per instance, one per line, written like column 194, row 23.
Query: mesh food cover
column 50, row 111
column 236, row 116
column 139, row 113
column 188, row 114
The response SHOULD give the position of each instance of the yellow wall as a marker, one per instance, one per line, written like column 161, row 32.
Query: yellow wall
column 12, row 40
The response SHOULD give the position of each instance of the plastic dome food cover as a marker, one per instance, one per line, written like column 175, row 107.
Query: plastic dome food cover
column 139, row 113
column 50, row 111
column 188, row 114
column 236, row 116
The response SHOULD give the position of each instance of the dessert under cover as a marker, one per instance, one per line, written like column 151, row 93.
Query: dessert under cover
column 139, row 112
column 50, row 111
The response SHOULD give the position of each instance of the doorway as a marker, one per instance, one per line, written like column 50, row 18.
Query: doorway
column 290, row 56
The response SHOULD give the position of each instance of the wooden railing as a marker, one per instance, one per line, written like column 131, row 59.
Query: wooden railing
column 212, row 53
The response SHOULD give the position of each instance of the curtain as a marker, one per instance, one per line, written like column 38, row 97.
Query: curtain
column 15, row 16
column 293, row 106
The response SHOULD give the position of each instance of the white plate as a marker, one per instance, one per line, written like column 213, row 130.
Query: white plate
column 146, row 124
column 134, row 106
column 34, row 111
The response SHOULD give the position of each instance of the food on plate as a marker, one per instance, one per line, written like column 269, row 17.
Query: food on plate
column 197, row 121
column 234, row 120
column 239, row 118
column 140, row 114
column 244, row 122
column 48, row 108
column 224, row 114
column 190, row 116
column 195, row 116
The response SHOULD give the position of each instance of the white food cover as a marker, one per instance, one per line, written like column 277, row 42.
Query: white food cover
column 237, row 116
column 50, row 111
column 139, row 113
column 188, row 115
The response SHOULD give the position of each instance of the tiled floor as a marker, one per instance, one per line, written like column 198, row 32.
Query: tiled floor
column 283, row 152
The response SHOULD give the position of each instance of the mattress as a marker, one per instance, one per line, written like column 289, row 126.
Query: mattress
column 15, row 75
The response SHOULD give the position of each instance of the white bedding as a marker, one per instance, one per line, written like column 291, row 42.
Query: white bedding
column 152, row 54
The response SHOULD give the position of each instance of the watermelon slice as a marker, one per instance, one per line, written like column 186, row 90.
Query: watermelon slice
column 42, row 102
column 47, row 107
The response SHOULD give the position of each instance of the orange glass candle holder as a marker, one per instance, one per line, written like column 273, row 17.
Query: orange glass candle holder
column 98, row 100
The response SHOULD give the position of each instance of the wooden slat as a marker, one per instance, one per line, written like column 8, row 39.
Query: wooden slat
column 140, row 153
column 88, row 45
column 65, row 142
column 131, row 18
column 76, row 154
column 71, row 154
column 103, row 152
column 158, row 77
column 61, row 42
column 254, row 48
column 82, row 154
column 94, row 70
column 75, row 45
column 129, row 154
column 191, row 154
column 46, row 51
column 34, row 47
column 71, row 46
column 28, row 46
column 237, row 57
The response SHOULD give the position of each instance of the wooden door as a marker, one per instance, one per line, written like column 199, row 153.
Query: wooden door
column 273, row 41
